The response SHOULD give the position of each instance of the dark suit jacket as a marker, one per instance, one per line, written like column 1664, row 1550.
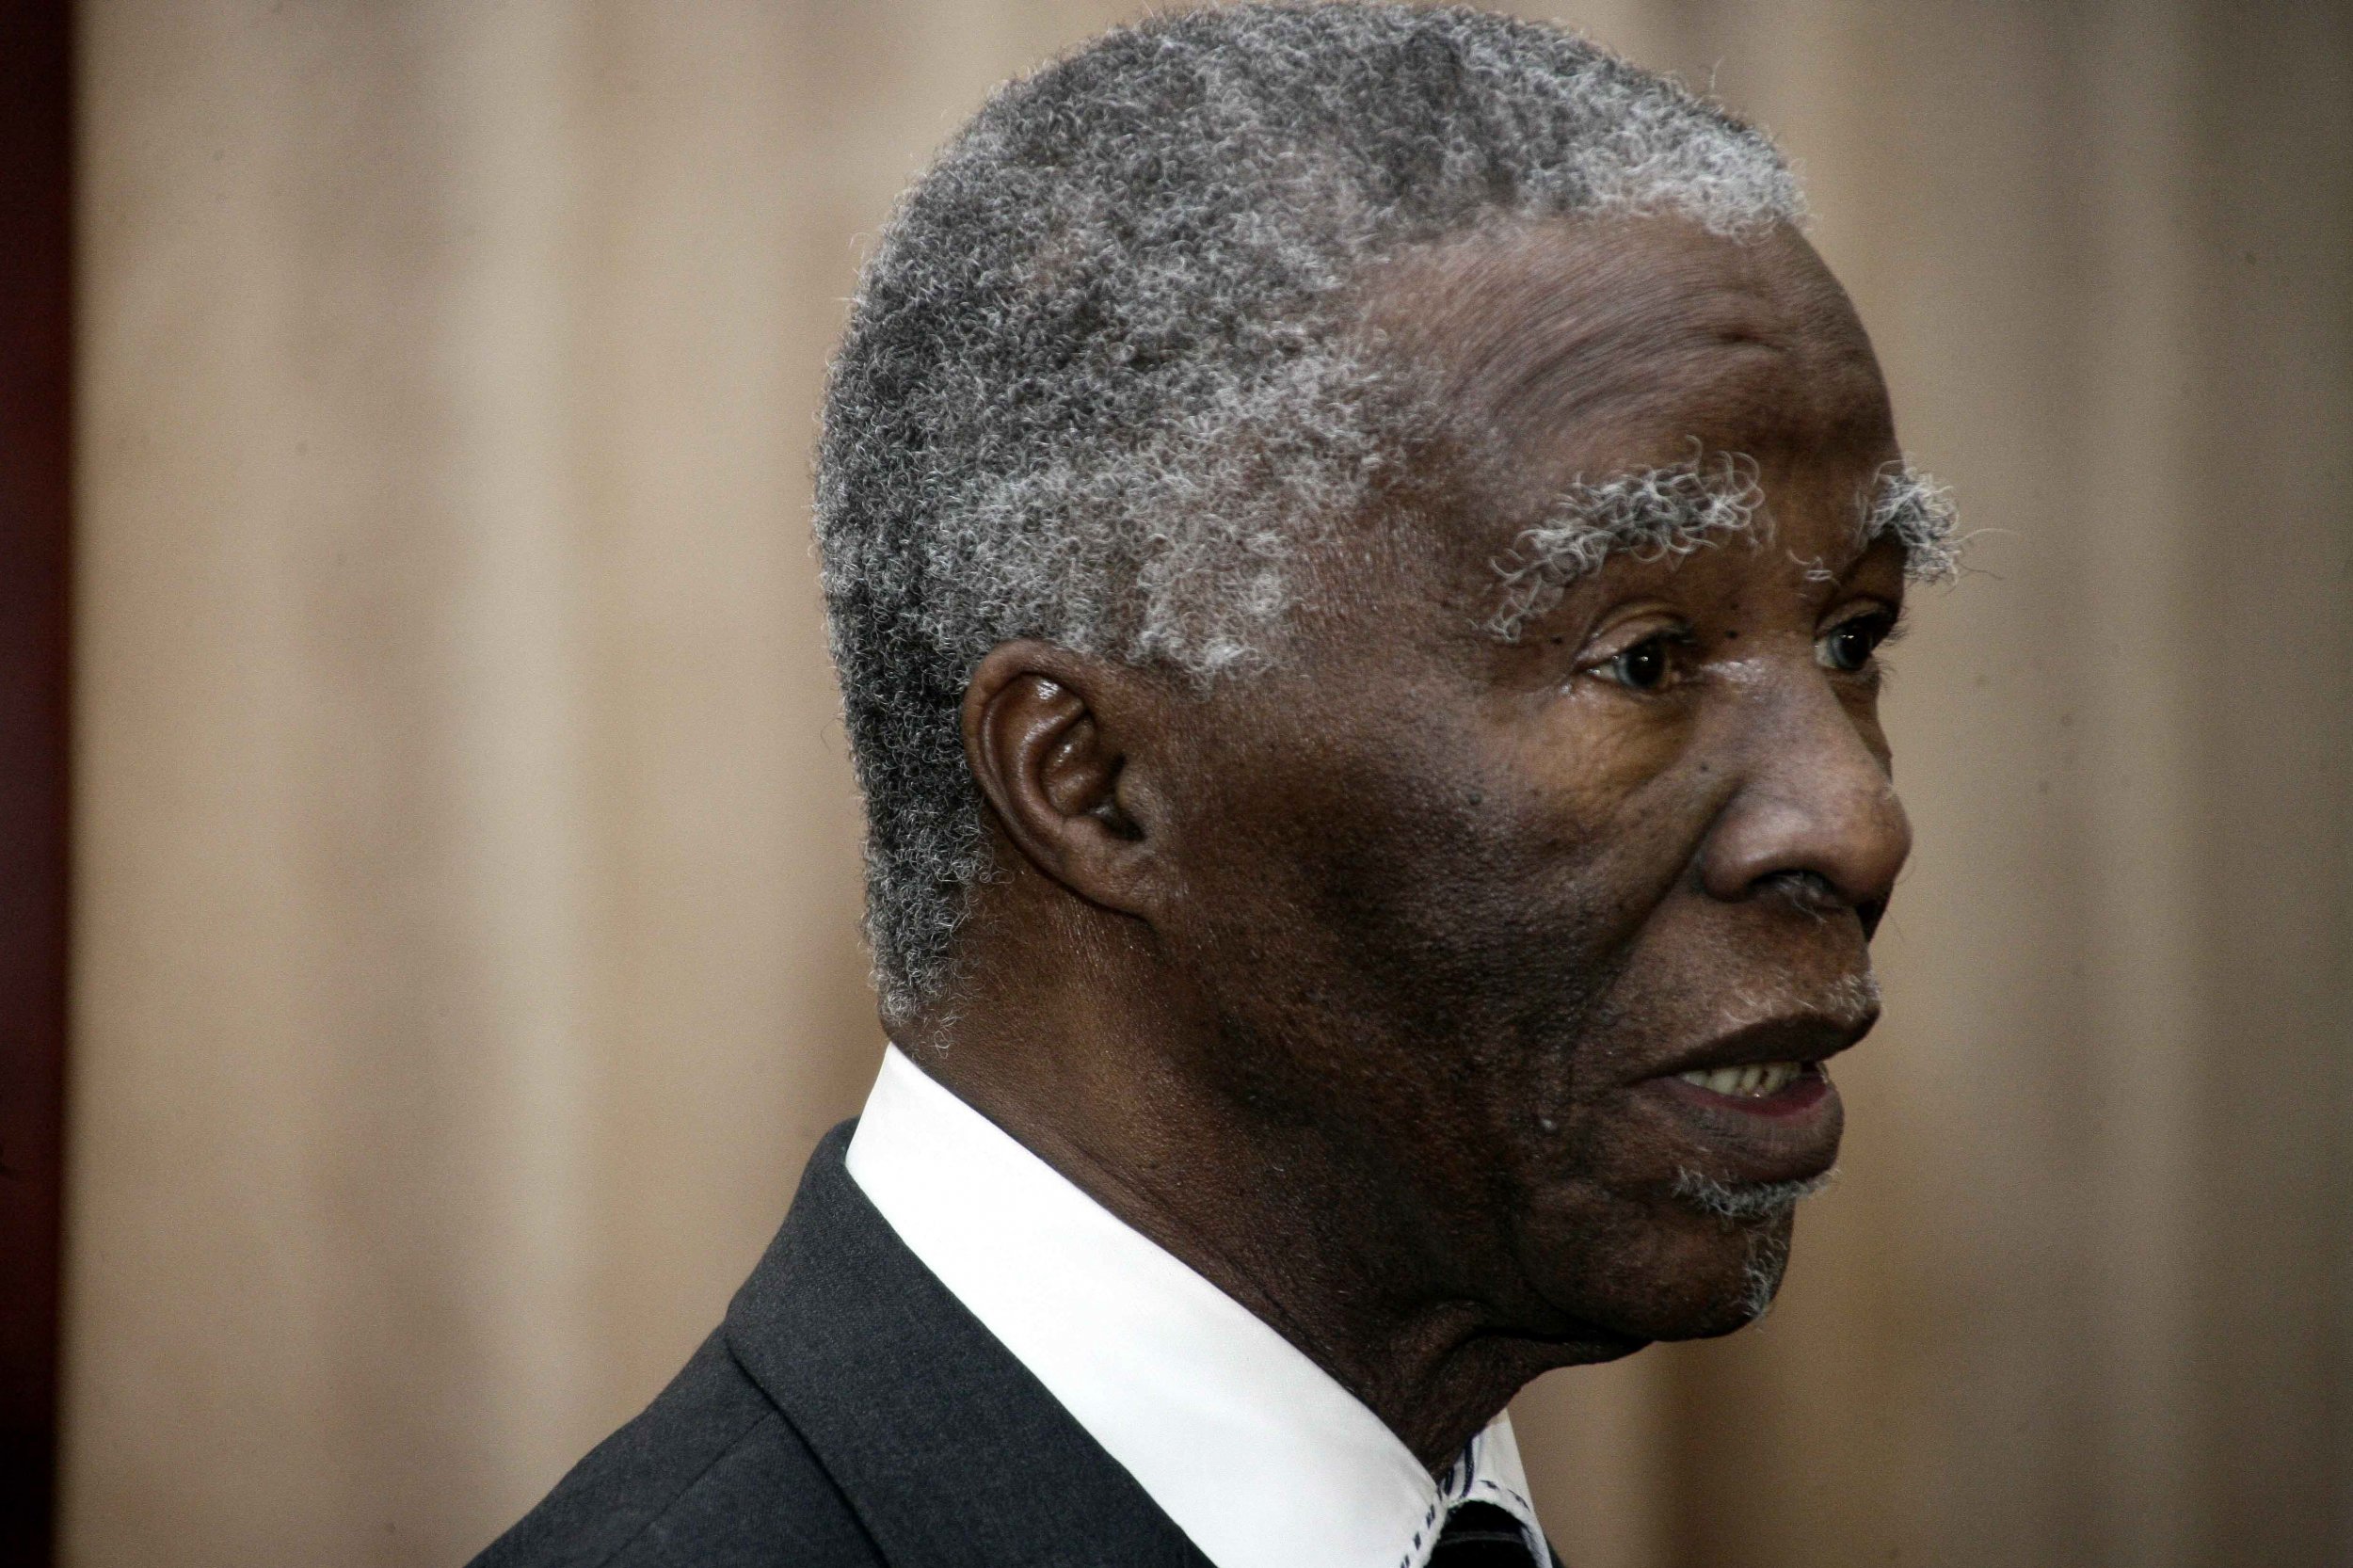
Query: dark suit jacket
column 850, row 1413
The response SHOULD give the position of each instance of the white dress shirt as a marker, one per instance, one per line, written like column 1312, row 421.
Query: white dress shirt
column 1252, row 1448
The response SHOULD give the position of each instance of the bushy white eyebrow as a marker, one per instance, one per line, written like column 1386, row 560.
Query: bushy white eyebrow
column 1655, row 514
column 1919, row 514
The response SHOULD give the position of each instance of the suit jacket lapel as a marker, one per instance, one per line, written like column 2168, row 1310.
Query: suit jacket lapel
column 952, row 1453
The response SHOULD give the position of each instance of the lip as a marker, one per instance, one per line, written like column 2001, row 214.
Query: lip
column 1789, row 1135
column 1800, row 1036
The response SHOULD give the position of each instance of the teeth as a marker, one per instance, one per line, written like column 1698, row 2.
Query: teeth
column 1753, row 1082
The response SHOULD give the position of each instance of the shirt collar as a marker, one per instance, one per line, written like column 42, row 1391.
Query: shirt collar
column 1248, row 1446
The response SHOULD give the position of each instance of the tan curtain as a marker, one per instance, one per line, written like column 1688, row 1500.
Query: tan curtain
column 467, row 888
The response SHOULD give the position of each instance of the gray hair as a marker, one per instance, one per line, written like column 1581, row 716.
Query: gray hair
column 1100, row 385
column 1658, row 513
column 1744, row 1207
column 1748, row 1201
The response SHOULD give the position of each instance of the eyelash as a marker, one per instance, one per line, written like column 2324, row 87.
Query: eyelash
column 1672, row 640
column 1889, row 626
column 1899, row 624
column 1886, row 625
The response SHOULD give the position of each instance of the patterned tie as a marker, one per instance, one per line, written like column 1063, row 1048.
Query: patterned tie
column 1481, row 1535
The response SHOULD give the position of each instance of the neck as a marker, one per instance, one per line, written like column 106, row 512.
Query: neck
column 1098, row 1068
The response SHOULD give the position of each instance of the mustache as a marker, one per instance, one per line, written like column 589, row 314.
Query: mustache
column 1850, row 1002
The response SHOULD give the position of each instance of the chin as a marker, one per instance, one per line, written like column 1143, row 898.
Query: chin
column 1737, row 1282
column 1686, row 1276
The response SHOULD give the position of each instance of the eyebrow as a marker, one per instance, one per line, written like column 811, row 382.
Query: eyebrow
column 1911, row 508
column 1670, row 511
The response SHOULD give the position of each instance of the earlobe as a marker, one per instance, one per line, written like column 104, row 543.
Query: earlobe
column 1051, row 764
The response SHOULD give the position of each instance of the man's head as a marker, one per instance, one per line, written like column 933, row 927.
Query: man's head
column 1356, row 537
column 1103, row 383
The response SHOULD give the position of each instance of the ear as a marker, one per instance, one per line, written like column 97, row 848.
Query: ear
column 1048, row 734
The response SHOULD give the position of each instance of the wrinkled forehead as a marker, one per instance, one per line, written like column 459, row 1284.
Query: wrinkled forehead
column 1574, row 348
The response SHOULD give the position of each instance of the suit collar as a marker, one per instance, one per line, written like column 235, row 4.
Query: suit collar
column 950, row 1451
column 1258, row 1453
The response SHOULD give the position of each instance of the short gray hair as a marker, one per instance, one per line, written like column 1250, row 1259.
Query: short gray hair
column 1100, row 386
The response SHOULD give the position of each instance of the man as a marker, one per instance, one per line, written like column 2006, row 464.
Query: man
column 1356, row 539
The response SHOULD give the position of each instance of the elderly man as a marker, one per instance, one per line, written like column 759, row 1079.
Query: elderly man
column 1356, row 539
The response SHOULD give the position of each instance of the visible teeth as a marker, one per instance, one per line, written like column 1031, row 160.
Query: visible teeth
column 1753, row 1082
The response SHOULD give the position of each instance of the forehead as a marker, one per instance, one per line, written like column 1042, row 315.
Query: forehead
column 1584, row 347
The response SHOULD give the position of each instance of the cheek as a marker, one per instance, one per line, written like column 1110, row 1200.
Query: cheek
column 1862, row 710
column 1590, row 748
column 1436, row 909
column 1392, row 923
column 1465, row 894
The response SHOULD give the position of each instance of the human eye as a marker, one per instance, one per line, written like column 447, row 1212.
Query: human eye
column 1648, row 663
column 1849, row 646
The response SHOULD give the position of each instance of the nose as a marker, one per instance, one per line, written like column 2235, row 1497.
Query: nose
column 1816, row 815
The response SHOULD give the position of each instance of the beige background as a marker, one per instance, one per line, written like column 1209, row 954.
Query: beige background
column 466, row 951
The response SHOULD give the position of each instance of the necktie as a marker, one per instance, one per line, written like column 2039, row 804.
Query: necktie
column 1481, row 1535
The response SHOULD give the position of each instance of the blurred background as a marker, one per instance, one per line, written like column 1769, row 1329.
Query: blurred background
column 465, row 914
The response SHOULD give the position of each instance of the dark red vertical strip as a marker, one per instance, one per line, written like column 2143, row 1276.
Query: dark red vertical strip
column 36, row 261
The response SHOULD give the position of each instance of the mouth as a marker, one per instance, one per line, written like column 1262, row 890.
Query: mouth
column 1755, row 1104
column 1759, row 1085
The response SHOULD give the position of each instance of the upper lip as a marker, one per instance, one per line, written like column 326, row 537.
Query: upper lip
column 1810, row 1035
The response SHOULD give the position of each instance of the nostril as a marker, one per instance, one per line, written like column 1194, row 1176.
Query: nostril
column 1809, row 890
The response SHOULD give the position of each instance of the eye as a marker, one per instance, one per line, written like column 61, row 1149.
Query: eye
column 1646, row 666
column 1849, row 646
